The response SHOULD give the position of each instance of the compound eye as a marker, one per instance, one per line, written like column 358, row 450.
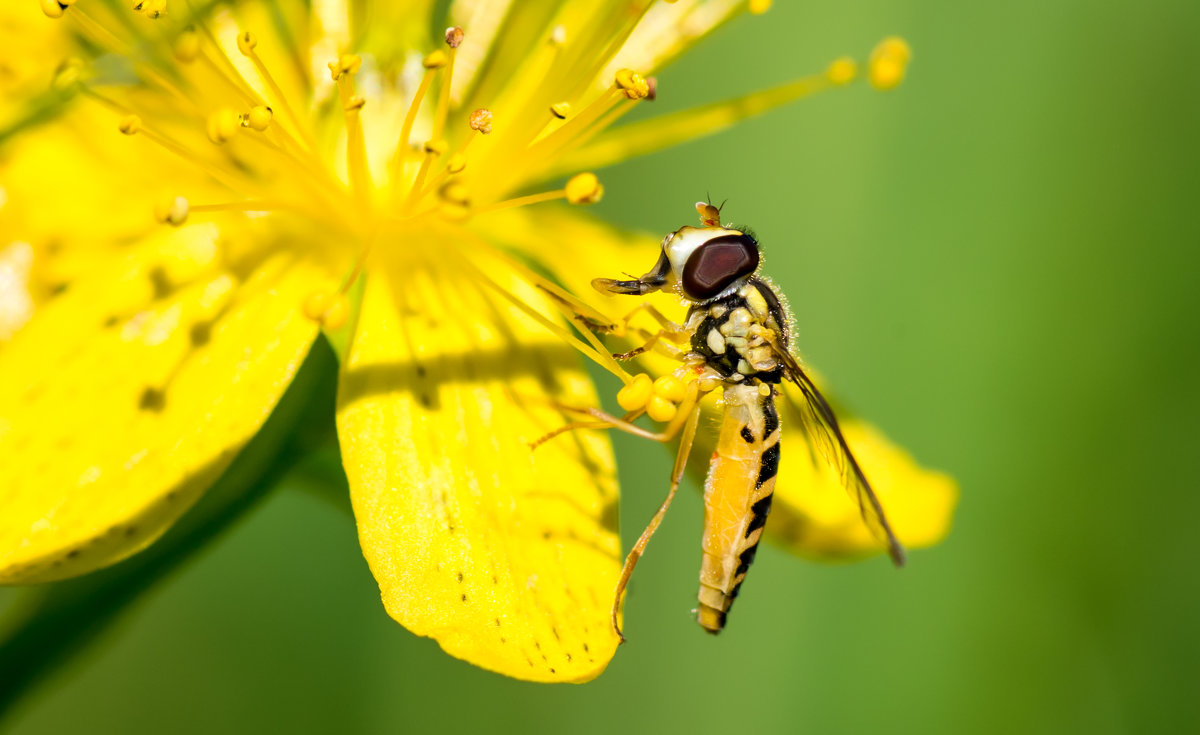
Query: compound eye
column 717, row 263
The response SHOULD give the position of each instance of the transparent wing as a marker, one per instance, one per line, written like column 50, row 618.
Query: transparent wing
column 824, row 435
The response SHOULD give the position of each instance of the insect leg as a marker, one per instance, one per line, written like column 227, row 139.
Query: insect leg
column 681, row 458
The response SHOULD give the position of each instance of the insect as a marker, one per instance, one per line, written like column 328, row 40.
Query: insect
column 735, row 338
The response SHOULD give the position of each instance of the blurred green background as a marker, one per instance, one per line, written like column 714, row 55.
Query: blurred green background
column 995, row 263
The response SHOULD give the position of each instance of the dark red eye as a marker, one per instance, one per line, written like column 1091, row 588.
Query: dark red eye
column 717, row 263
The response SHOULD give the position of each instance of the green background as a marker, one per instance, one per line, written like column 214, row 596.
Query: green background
column 994, row 262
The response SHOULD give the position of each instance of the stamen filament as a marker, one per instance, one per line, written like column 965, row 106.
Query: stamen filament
column 406, row 129
column 277, row 92
column 356, row 147
column 640, row 138
column 443, row 104
column 546, row 196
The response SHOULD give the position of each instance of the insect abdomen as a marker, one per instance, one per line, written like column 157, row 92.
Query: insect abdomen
column 737, row 498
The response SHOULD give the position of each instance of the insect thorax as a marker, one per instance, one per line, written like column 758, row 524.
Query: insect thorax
column 737, row 333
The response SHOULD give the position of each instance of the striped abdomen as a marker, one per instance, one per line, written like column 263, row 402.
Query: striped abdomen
column 737, row 497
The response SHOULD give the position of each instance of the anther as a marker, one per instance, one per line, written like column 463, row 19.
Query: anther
column 560, row 110
column 660, row 409
column 435, row 60
column 584, row 188
column 636, row 393
column 53, row 8
column 888, row 63
column 454, row 36
column 436, row 147
column 187, row 47
column 354, row 103
column 327, row 309
column 223, row 125
column 670, row 387
column 171, row 210
column 67, row 74
column 842, row 71
column 130, row 125
column 455, row 193
column 651, row 88
column 481, row 121
column 632, row 84
column 345, row 64
column 259, row 118
column 246, row 42
column 152, row 9
column 457, row 163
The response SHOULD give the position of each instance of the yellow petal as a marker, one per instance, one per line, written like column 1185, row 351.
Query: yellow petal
column 506, row 556
column 131, row 392
column 814, row 516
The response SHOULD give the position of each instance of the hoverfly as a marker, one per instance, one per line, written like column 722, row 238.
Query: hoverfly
column 736, row 338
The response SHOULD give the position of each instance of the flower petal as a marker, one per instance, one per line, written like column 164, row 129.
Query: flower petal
column 814, row 516
column 130, row 393
column 507, row 557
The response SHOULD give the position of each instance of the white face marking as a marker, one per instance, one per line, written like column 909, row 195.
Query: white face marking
column 680, row 245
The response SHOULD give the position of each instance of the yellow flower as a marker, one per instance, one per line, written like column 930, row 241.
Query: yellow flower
column 224, row 180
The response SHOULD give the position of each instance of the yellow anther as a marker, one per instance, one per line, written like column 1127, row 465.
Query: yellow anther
column 436, row 147
column 171, row 210
column 457, row 163
column 53, row 8
column 187, row 47
column 456, row 193
column 671, row 388
column 435, row 60
column 259, row 118
column 223, row 125
column 842, row 71
column 758, row 7
column 481, row 120
column 246, row 41
column 355, row 103
column 152, row 9
column 454, row 36
column 67, row 74
column 584, row 188
column 130, row 125
column 345, row 64
column 330, row 310
column 660, row 409
column 888, row 63
column 560, row 110
column 636, row 393
column 632, row 84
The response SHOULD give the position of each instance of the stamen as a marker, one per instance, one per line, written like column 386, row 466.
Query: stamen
column 583, row 188
column 171, row 210
column 647, row 136
column 842, row 71
column 187, row 47
column 343, row 71
column 888, row 63
column 222, row 125
column 246, row 45
column 433, row 149
column 432, row 63
column 454, row 37
column 330, row 310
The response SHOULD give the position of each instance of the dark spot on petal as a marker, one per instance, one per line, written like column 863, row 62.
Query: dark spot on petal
column 460, row 576
column 464, row 597
column 152, row 399
column 130, row 530
column 200, row 334
column 420, row 371
column 112, row 321
column 497, row 622
column 586, row 649
column 160, row 282
column 73, row 553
